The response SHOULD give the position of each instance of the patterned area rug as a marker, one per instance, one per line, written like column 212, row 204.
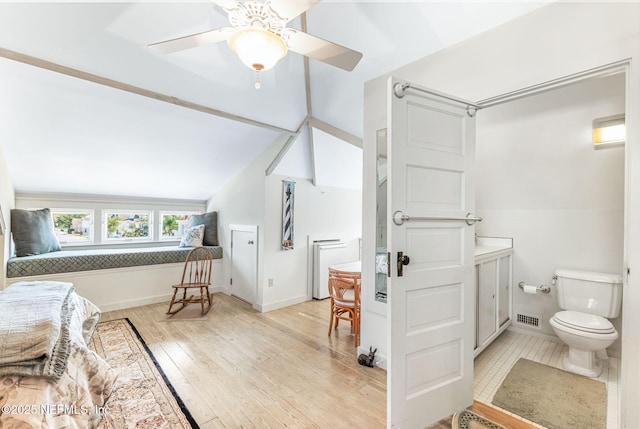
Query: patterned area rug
column 467, row 420
column 143, row 397
column 553, row 398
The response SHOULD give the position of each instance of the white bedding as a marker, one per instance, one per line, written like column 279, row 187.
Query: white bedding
column 34, row 328
column 77, row 399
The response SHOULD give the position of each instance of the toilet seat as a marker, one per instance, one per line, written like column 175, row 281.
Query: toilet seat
column 584, row 322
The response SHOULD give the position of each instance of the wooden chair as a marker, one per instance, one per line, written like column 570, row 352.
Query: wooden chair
column 344, row 292
column 196, row 275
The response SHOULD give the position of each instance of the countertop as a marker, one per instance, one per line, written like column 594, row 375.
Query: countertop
column 486, row 245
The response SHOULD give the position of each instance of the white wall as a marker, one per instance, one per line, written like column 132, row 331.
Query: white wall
column 319, row 211
column 556, row 40
column 7, row 202
column 540, row 181
column 344, row 170
column 252, row 198
column 242, row 202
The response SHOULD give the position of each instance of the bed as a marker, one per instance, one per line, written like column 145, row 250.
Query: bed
column 48, row 376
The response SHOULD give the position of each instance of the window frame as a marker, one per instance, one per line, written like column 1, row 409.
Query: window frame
column 105, row 239
column 160, row 226
column 92, row 228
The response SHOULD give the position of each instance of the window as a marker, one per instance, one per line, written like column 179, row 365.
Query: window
column 172, row 225
column 126, row 226
column 73, row 226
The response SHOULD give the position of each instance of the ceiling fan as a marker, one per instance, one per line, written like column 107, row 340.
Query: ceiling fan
column 260, row 37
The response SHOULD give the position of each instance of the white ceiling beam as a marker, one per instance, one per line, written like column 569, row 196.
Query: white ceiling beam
column 336, row 132
column 307, row 87
column 307, row 84
column 47, row 65
column 285, row 148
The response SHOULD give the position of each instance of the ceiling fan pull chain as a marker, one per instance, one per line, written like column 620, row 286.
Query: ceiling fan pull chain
column 257, row 79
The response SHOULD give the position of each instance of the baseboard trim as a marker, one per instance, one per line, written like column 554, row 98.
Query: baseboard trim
column 280, row 304
column 121, row 305
column 533, row 333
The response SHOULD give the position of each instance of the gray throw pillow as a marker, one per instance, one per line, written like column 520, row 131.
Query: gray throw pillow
column 210, row 222
column 32, row 232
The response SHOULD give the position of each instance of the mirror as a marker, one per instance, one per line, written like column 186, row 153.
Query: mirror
column 381, row 216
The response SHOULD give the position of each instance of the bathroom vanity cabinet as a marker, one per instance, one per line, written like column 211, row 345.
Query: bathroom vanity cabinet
column 493, row 288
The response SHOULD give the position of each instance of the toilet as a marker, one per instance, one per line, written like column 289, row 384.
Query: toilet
column 587, row 300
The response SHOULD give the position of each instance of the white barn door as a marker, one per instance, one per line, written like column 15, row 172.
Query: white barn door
column 431, row 146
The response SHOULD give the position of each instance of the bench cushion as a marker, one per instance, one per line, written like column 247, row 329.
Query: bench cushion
column 67, row 261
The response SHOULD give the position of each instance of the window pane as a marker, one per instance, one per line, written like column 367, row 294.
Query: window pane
column 120, row 226
column 73, row 227
column 173, row 225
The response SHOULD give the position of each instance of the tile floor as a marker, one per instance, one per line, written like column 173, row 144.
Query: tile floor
column 493, row 364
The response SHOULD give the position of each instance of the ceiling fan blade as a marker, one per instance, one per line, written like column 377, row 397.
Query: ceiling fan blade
column 192, row 41
column 322, row 50
column 289, row 9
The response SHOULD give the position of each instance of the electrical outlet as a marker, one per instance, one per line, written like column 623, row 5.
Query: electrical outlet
column 270, row 282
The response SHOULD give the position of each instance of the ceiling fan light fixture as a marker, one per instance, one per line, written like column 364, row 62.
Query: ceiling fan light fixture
column 257, row 48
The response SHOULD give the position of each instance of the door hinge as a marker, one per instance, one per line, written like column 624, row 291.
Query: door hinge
column 231, row 281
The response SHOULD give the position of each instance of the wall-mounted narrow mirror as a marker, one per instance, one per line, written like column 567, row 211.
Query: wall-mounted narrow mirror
column 381, row 216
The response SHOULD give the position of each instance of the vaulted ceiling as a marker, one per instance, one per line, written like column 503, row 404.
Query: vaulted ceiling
column 88, row 108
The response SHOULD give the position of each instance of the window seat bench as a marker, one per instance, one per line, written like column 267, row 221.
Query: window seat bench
column 68, row 261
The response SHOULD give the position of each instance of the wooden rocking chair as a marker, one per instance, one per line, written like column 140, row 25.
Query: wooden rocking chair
column 196, row 274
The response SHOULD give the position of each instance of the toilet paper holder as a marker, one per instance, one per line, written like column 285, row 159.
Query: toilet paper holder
column 541, row 288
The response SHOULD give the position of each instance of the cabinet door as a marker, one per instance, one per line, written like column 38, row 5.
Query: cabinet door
column 486, row 299
column 476, row 278
column 504, row 289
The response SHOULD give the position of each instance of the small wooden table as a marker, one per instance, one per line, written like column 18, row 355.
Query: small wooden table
column 349, row 267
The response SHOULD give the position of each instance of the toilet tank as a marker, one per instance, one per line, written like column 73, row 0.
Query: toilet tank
column 589, row 292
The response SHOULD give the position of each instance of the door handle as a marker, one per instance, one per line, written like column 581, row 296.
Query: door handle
column 402, row 261
column 250, row 242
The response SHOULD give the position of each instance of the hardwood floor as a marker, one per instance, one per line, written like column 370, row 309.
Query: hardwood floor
column 237, row 368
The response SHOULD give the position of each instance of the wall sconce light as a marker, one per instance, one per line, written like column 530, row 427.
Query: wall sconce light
column 609, row 131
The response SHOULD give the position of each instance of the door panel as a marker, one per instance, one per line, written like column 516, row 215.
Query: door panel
column 447, row 195
column 433, row 247
column 430, row 367
column 433, row 307
column 435, row 129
